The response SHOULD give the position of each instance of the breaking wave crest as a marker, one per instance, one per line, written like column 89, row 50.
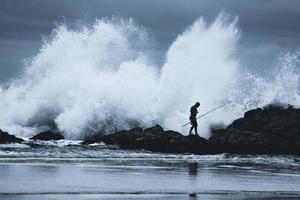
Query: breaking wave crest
column 100, row 78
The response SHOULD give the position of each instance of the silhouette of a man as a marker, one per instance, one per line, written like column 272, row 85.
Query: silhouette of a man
column 193, row 118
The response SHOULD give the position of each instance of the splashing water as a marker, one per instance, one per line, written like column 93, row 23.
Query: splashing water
column 99, row 79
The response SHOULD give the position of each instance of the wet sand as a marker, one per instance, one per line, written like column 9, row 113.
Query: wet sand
column 58, row 171
column 150, row 181
column 209, row 196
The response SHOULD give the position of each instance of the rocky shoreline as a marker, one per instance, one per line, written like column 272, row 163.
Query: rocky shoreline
column 268, row 130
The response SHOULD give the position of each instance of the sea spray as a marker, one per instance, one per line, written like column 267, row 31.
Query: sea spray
column 199, row 67
column 99, row 78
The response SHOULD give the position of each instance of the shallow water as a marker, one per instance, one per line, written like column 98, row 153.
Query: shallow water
column 67, row 170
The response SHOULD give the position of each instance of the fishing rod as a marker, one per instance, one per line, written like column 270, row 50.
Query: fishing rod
column 207, row 113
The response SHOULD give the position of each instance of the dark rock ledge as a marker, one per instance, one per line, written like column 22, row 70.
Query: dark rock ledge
column 7, row 138
column 48, row 135
column 268, row 130
column 271, row 130
column 153, row 139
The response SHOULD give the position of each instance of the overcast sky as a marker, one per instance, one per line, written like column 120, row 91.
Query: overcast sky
column 268, row 27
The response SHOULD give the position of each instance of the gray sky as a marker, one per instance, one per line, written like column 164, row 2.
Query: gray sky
column 268, row 27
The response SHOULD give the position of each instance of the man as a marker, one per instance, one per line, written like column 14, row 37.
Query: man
column 193, row 118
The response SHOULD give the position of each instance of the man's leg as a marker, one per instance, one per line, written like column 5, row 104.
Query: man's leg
column 191, row 129
column 196, row 126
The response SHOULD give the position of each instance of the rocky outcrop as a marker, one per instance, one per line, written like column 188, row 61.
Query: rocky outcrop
column 153, row 139
column 7, row 138
column 272, row 129
column 48, row 135
column 269, row 130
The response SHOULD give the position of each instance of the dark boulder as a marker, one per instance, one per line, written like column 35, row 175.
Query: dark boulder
column 7, row 138
column 92, row 139
column 195, row 144
column 48, row 135
column 273, row 129
column 157, row 129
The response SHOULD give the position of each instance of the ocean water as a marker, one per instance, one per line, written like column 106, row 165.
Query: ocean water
column 67, row 170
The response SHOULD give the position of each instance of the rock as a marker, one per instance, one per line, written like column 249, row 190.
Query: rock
column 271, row 130
column 48, row 135
column 155, row 129
column 94, row 138
column 136, row 130
column 195, row 144
column 7, row 138
column 268, row 130
column 153, row 139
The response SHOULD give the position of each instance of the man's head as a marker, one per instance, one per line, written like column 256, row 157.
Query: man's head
column 197, row 104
